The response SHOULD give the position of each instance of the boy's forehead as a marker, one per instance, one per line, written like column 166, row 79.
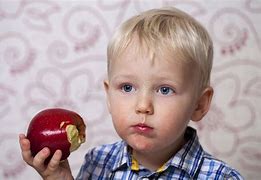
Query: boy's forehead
column 142, row 54
column 139, row 49
column 136, row 61
column 155, row 53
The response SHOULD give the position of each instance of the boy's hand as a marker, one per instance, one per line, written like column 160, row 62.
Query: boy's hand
column 54, row 170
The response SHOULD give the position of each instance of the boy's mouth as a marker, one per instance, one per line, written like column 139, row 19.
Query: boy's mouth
column 142, row 128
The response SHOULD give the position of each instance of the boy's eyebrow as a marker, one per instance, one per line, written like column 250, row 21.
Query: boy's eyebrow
column 163, row 79
column 166, row 79
column 122, row 76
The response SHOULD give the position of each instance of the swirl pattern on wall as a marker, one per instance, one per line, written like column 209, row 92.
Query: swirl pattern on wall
column 53, row 54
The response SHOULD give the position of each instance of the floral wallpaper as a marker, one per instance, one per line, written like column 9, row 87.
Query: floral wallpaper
column 53, row 54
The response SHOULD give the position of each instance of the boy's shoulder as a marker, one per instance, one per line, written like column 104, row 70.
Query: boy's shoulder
column 101, row 160
column 107, row 153
column 194, row 160
column 212, row 166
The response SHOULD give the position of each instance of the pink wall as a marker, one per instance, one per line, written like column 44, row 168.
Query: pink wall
column 53, row 53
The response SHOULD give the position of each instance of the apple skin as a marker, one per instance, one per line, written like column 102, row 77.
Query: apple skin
column 48, row 129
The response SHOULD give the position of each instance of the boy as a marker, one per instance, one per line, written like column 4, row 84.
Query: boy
column 159, row 65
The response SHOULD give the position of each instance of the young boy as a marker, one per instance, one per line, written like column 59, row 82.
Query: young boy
column 159, row 65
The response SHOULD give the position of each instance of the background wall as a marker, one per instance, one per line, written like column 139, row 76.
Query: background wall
column 53, row 54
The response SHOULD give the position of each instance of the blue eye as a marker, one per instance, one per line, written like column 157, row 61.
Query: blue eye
column 166, row 90
column 127, row 88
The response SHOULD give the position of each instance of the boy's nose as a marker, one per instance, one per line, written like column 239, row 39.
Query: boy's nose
column 144, row 105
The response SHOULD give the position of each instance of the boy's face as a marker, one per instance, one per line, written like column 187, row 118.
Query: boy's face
column 151, row 100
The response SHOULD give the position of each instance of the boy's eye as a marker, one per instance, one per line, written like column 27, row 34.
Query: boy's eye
column 166, row 90
column 127, row 88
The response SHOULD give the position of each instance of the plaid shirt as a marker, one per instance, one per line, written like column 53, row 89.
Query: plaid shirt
column 114, row 161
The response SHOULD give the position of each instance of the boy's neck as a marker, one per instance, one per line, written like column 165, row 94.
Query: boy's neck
column 155, row 160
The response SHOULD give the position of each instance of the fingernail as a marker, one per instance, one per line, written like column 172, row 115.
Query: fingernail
column 45, row 150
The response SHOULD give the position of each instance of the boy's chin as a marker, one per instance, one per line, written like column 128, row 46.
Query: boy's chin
column 141, row 146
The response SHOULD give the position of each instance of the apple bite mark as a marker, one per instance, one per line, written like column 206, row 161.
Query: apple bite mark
column 76, row 132
column 73, row 137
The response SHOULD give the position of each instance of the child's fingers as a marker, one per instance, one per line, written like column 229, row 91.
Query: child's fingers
column 55, row 161
column 25, row 148
column 40, row 157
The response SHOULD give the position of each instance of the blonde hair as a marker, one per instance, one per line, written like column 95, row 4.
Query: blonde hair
column 167, row 29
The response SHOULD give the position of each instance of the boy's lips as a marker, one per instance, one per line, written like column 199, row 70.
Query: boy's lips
column 142, row 128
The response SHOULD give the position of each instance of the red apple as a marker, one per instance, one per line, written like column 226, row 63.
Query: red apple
column 56, row 129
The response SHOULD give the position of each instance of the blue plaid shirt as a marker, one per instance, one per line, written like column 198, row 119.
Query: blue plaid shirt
column 191, row 162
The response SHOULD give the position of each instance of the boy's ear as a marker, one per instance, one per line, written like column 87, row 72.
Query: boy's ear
column 106, row 87
column 203, row 104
